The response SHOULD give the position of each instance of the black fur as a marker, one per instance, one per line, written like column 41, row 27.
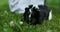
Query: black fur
column 35, row 15
column 44, row 11
column 26, row 13
column 38, row 14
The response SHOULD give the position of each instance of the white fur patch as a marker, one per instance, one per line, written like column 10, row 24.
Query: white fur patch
column 30, row 10
column 50, row 15
column 30, row 13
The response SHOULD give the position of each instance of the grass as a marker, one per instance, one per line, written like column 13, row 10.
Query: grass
column 48, row 26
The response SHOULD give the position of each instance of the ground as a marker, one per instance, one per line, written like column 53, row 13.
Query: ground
column 48, row 26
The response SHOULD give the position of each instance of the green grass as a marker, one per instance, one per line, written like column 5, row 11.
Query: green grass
column 48, row 26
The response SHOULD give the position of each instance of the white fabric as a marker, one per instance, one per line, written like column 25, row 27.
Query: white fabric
column 21, row 4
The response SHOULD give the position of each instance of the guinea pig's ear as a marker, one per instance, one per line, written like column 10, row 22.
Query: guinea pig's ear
column 30, row 6
column 40, row 5
column 26, row 8
column 33, row 9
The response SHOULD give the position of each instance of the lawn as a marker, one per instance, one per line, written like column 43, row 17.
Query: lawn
column 48, row 26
